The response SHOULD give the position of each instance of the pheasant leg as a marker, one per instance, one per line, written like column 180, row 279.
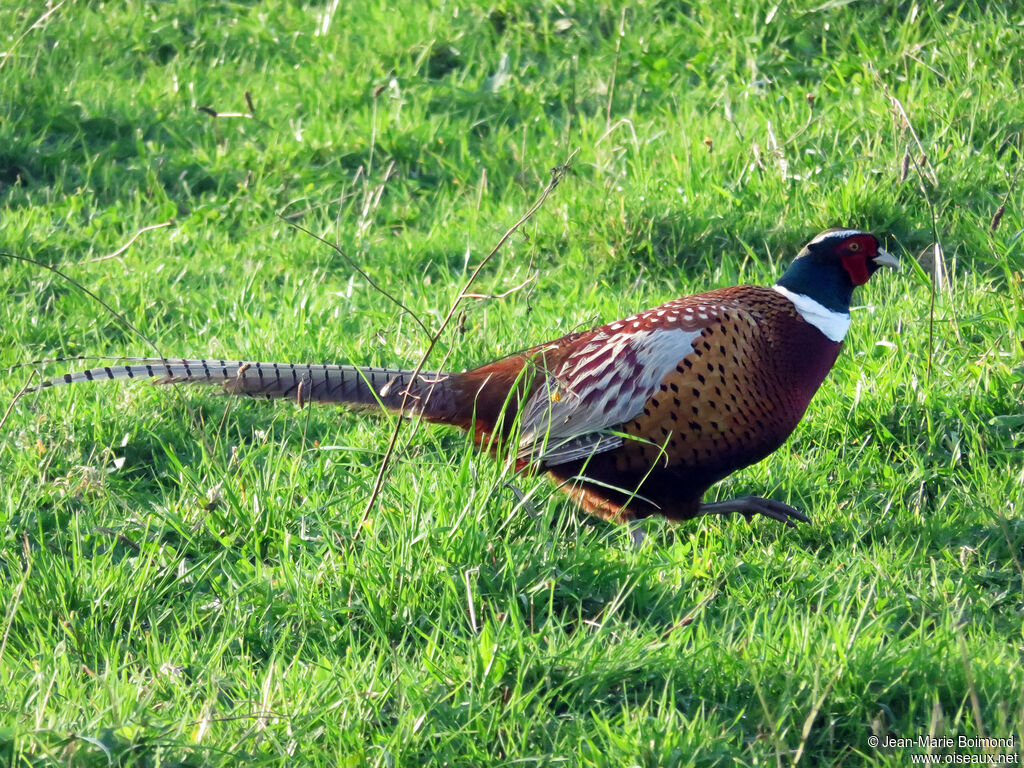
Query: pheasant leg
column 748, row 506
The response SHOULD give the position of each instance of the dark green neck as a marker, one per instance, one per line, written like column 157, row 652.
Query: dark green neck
column 821, row 279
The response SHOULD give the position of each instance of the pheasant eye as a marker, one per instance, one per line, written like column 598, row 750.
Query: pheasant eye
column 853, row 247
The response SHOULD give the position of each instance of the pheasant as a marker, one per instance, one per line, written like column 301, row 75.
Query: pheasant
column 637, row 417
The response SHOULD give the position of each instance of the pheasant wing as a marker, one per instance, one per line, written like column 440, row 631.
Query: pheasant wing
column 606, row 380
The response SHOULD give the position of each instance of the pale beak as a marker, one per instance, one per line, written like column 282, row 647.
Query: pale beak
column 886, row 259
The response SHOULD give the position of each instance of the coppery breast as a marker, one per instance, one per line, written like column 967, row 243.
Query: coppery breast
column 738, row 395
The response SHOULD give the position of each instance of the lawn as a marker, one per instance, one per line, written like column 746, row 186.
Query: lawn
column 189, row 579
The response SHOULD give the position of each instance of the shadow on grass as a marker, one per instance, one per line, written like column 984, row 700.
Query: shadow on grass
column 62, row 148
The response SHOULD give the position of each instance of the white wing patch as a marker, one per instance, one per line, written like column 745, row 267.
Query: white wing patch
column 601, row 386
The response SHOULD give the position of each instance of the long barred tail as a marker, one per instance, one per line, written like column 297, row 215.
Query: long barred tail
column 429, row 394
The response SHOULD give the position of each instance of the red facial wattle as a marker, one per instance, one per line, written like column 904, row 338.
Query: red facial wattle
column 856, row 264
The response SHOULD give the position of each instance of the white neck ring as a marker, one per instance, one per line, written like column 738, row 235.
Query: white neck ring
column 831, row 323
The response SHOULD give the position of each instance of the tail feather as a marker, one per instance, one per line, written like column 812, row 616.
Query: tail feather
column 429, row 394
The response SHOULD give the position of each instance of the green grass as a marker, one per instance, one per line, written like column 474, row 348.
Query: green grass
column 214, row 599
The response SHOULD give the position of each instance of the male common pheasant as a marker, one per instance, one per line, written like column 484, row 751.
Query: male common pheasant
column 637, row 417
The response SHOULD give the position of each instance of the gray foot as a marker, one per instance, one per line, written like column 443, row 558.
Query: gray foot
column 748, row 506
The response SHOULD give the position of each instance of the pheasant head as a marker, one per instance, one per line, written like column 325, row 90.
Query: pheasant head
column 821, row 279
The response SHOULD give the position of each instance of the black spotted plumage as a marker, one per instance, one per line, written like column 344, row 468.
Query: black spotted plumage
column 638, row 417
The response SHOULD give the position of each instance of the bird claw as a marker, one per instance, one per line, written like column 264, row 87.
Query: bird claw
column 748, row 506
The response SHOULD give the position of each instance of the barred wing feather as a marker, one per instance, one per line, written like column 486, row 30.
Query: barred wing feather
column 597, row 388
